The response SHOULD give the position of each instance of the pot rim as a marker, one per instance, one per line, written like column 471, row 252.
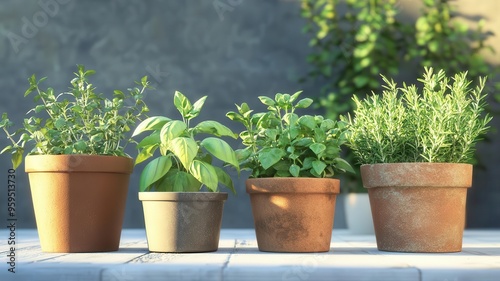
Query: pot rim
column 418, row 164
column 73, row 163
column 182, row 196
column 292, row 185
column 417, row 174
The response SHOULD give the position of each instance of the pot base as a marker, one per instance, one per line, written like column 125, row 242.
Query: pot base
column 418, row 207
column 183, row 222
column 79, row 201
column 293, row 215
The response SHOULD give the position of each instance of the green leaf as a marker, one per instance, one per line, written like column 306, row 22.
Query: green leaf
column 60, row 123
column 294, row 170
column 197, row 106
column 270, row 156
column 182, row 104
column 318, row 166
column 6, row 149
column 17, row 158
column 119, row 94
column 39, row 108
column 295, row 96
column 204, row 173
column 171, row 130
column 214, row 128
column 145, row 153
column 304, row 103
column 152, row 123
column 307, row 121
column 152, row 139
column 235, row 117
column 303, row 142
column 185, row 149
column 81, row 145
column 243, row 154
column 317, row 148
column 222, row 150
column 224, row 178
column 178, row 181
column 272, row 134
column 290, row 119
column 327, row 124
column 343, row 165
column 308, row 163
column 267, row 101
column 154, row 171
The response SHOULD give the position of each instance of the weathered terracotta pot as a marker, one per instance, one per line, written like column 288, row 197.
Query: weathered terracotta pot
column 293, row 214
column 183, row 222
column 79, row 200
column 418, row 207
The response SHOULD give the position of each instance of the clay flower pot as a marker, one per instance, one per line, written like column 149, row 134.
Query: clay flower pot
column 183, row 222
column 293, row 214
column 418, row 207
column 79, row 200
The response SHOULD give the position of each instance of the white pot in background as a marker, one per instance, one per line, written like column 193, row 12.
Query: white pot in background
column 358, row 213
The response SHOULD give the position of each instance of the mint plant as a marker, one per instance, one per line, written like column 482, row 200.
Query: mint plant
column 78, row 121
column 280, row 143
column 442, row 122
column 185, row 163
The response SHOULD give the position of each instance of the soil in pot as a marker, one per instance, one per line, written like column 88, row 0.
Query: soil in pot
column 79, row 200
column 293, row 214
column 418, row 207
column 183, row 222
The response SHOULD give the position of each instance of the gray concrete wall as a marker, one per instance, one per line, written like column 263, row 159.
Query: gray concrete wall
column 230, row 50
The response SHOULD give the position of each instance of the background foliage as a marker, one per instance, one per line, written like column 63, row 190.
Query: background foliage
column 354, row 41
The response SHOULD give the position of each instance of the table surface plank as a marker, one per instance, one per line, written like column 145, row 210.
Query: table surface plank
column 352, row 257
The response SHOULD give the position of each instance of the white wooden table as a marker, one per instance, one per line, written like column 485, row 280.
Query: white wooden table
column 350, row 258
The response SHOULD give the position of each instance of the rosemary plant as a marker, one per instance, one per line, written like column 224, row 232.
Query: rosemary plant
column 440, row 123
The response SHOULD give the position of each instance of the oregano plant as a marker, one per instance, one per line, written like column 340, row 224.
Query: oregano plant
column 280, row 143
column 441, row 122
column 185, row 163
column 78, row 121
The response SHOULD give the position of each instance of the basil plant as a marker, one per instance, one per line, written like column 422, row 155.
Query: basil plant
column 185, row 162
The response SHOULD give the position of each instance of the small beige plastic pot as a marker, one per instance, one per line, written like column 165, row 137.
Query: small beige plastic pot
column 183, row 222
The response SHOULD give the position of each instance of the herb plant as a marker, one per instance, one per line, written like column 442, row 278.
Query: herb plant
column 185, row 163
column 78, row 121
column 280, row 143
column 440, row 123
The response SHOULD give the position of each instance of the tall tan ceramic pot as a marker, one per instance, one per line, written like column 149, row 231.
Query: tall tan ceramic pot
column 293, row 214
column 183, row 222
column 418, row 207
column 79, row 200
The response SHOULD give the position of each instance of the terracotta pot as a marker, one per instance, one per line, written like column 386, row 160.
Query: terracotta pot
column 358, row 213
column 293, row 214
column 418, row 207
column 79, row 200
column 183, row 222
